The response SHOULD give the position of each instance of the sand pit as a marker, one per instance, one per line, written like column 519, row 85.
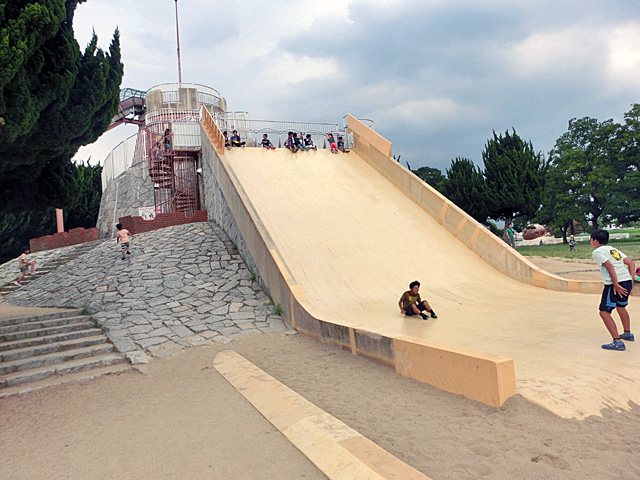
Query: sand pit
column 183, row 420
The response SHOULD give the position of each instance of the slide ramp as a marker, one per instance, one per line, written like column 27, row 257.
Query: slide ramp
column 351, row 241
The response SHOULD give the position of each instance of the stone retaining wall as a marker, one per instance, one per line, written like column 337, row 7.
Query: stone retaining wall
column 124, row 196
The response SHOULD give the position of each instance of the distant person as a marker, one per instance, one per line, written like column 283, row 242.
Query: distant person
column 308, row 143
column 166, row 140
column 122, row 237
column 297, row 141
column 23, row 265
column 341, row 145
column 236, row 141
column 266, row 143
column 290, row 143
column 572, row 244
column 617, row 271
column 332, row 143
column 227, row 143
column 511, row 236
column 411, row 304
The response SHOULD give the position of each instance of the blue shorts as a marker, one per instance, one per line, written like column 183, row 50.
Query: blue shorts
column 610, row 300
column 409, row 311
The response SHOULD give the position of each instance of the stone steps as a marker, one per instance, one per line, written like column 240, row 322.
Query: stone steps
column 49, row 267
column 55, row 322
column 39, row 351
column 56, row 338
column 47, row 371
column 56, row 380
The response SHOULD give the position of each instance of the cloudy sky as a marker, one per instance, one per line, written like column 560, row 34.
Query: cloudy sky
column 436, row 76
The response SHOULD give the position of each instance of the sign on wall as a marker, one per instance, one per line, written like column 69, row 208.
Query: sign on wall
column 147, row 213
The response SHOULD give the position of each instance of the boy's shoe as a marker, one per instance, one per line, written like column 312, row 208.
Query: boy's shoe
column 424, row 316
column 627, row 336
column 433, row 314
column 123, row 258
column 17, row 283
column 35, row 272
column 128, row 253
column 614, row 346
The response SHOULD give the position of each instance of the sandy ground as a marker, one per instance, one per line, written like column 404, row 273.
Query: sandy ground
column 571, row 268
column 181, row 419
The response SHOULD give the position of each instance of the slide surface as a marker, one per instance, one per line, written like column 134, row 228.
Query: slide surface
column 353, row 241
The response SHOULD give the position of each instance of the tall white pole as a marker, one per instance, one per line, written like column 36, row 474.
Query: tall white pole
column 178, row 38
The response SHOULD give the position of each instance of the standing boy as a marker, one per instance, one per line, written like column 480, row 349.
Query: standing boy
column 617, row 272
column 123, row 238
column 24, row 265
column 411, row 304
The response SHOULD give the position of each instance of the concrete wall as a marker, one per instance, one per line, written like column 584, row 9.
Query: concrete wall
column 124, row 196
column 376, row 151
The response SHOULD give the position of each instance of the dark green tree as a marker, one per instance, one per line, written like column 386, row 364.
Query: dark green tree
column 627, row 168
column 16, row 229
column 53, row 99
column 559, row 207
column 432, row 176
column 587, row 156
column 514, row 174
column 465, row 186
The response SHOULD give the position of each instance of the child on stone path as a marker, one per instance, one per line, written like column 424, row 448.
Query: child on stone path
column 411, row 304
column 123, row 238
column 24, row 265
column 617, row 272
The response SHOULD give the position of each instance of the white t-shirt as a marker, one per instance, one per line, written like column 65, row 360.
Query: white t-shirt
column 605, row 252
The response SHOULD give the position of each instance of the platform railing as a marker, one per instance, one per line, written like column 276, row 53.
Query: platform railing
column 277, row 130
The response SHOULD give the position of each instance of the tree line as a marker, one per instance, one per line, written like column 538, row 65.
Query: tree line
column 16, row 229
column 591, row 177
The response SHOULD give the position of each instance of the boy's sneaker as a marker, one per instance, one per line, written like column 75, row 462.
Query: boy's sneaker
column 424, row 316
column 128, row 253
column 433, row 314
column 35, row 272
column 627, row 336
column 17, row 283
column 123, row 258
column 614, row 346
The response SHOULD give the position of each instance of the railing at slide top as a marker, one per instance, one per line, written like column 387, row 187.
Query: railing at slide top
column 253, row 130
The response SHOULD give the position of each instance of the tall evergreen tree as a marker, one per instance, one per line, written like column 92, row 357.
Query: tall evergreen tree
column 514, row 175
column 465, row 186
column 16, row 229
column 53, row 99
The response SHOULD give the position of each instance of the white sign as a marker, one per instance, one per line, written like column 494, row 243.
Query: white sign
column 147, row 213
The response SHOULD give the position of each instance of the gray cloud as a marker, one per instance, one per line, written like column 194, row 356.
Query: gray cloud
column 437, row 77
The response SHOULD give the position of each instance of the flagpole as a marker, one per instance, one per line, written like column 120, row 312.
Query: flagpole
column 178, row 39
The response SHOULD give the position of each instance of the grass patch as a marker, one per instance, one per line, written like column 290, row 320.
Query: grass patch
column 630, row 247
column 278, row 310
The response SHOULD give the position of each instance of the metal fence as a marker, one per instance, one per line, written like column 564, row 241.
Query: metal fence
column 205, row 95
column 277, row 131
column 118, row 160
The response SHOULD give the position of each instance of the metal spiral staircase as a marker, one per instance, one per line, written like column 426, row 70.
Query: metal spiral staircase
column 172, row 171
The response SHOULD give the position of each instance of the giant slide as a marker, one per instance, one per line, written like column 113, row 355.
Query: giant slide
column 350, row 240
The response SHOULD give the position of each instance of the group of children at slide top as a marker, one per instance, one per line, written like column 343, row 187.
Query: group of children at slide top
column 293, row 142
column 617, row 271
